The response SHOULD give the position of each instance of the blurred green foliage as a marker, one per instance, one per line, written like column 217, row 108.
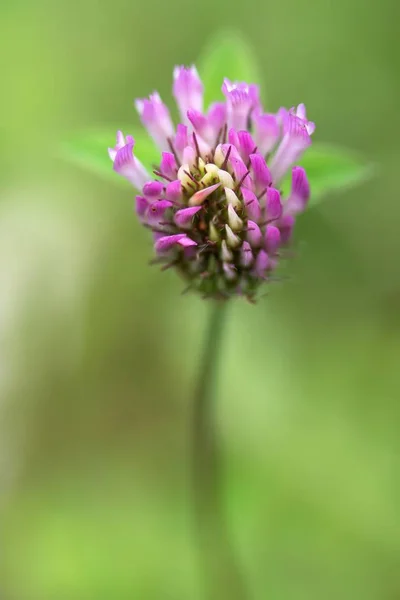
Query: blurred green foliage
column 99, row 351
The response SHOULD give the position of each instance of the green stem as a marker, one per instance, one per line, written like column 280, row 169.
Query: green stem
column 220, row 568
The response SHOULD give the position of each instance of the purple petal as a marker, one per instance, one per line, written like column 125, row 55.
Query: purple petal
column 267, row 132
column 246, row 255
column 168, row 165
column 300, row 192
column 130, row 167
column 301, row 113
column 187, row 90
column 120, row 143
column 224, row 150
column 202, row 126
column 165, row 243
column 243, row 142
column 239, row 99
column 241, row 171
column 273, row 204
column 272, row 238
column 189, row 156
column 186, row 242
column 261, row 174
column 181, row 140
column 141, row 207
column 216, row 116
column 183, row 218
column 156, row 118
column 153, row 189
column 156, row 212
column 198, row 120
column 247, row 145
column 173, row 191
column 262, row 263
column 252, row 205
column 286, row 228
column 254, row 235
column 295, row 140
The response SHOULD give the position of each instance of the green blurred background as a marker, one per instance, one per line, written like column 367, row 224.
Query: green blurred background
column 98, row 351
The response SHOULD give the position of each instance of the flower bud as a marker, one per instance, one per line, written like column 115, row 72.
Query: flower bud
column 235, row 222
column 231, row 239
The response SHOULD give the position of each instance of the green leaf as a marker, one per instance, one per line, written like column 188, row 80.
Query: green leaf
column 331, row 168
column 227, row 54
column 88, row 149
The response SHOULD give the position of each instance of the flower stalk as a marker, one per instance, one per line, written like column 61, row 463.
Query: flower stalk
column 220, row 568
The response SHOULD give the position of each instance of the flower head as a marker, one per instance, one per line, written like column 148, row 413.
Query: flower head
column 215, row 206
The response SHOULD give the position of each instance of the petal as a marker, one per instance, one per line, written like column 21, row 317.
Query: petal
column 165, row 243
column 241, row 172
column 199, row 121
column 173, row 191
column 239, row 100
column 301, row 113
column 181, row 140
column 261, row 174
column 168, row 165
column 300, row 192
column 253, row 209
column 272, row 238
column 184, row 218
column 199, row 197
column 262, row 263
column 189, row 156
column 187, row 90
column 216, row 116
column 243, row 142
column 254, row 235
column 130, row 167
column 266, row 132
column 120, row 143
column 156, row 118
column 152, row 189
column 286, row 226
column 295, row 140
column 141, row 207
column 156, row 211
column 246, row 255
column 273, row 204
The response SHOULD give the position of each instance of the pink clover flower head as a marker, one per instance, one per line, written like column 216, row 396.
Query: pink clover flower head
column 214, row 203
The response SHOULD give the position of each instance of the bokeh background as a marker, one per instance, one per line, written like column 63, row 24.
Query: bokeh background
column 98, row 351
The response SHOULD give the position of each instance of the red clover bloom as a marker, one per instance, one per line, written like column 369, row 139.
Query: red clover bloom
column 215, row 207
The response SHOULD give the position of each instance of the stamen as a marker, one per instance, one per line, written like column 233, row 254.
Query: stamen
column 254, row 151
column 191, row 177
column 159, row 174
column 237, row 188
column 172, row 148
column 262, row 194
column 225, row 133
column 196, row 143
column 225, row 163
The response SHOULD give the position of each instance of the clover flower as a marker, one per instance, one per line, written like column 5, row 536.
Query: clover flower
column 215, row 206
